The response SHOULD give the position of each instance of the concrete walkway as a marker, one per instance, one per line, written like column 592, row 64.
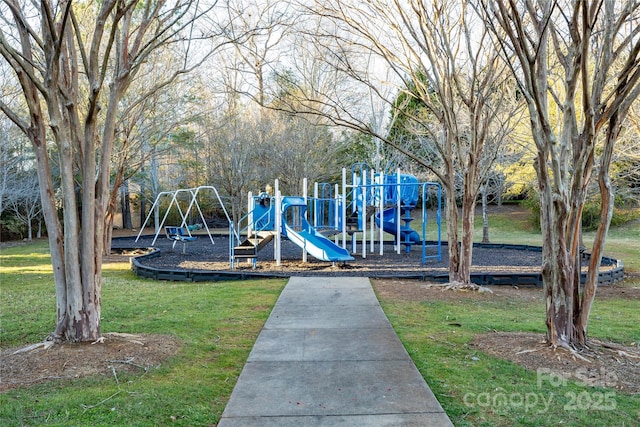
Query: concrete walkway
column 327, row 356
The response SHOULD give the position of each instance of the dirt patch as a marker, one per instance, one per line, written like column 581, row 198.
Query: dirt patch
column 413, row 290
column 603, row 364
column 117, row 353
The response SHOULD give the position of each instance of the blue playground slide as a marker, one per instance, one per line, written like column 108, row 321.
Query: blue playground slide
column 308, row 238
column 409, row 198
column 389, row 225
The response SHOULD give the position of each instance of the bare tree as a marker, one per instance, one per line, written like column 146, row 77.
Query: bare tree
column 490, row 191
column 74, row 62
column 626, row 161
column 258, row 32
column 232, row 154
column 145, row 137
column 149, row 114
column 295, row 148
column 581, row 61
column 441, row 61
column 19, row 194
column 9, row 164
column 25, row 204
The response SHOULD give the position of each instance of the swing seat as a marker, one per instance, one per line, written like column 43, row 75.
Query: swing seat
column 178, row 234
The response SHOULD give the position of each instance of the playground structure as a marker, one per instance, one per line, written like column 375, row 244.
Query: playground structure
column 182, row 232
column 366, row 209
column 370, row 199
column 371, row 204
column 387, row 200
column 270, row 218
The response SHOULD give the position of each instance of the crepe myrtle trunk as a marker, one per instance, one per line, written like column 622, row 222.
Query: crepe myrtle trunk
column 455, row 275
column 557, row 265
column 460, row 246
column 485, row 215
column 466, row 245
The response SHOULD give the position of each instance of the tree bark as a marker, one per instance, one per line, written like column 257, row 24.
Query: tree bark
column 452, row 213
column 466, row 247
column 606, row 212
column 126, row 206
column 143, row 200
column 485, row 215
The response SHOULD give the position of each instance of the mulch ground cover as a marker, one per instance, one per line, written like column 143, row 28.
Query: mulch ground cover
column 203, row 255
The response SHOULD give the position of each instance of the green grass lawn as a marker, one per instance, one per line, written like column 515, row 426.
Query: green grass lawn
column 514, row 226
column 472, row 386
column 217, row 324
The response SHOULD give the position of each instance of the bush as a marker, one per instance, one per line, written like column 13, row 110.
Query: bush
column 590, row 214
column 532, row 203
column 624, row 216
column 11, row 228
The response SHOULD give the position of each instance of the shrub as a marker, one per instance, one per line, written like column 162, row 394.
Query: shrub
column 591, row 213
column 533, row 204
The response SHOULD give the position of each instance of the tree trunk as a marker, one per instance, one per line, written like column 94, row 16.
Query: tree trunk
column 557, row 265
column 50, row 214
column 606, row 212
column 82, row 127
column 485, row 215
column 466, row 247
column 126, row 206
column 469, row 196
column 108, row 233
column 156, row 218
column 110, row 213
column 455, row 275
column 143, row 199
column 143, row 208
column 74, row 320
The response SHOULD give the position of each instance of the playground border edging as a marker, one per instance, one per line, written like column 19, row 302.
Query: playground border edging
column 514, row 279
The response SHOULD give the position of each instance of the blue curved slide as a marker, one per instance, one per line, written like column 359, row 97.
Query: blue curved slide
column 389, row 225
column 308, row 238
